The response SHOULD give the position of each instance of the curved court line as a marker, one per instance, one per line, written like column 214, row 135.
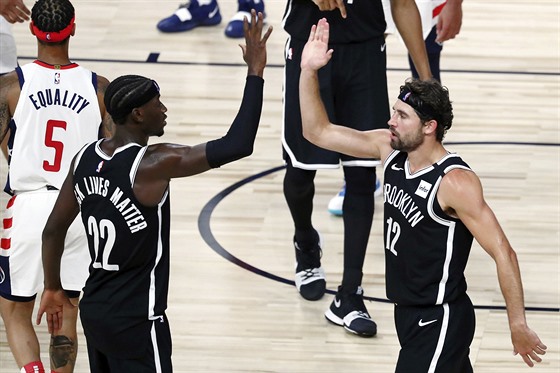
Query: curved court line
column 208, row 236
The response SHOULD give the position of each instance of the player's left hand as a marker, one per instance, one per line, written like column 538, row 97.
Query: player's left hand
column 53, row 303
column 316, row 52
column 527, row 344
column 254, row 50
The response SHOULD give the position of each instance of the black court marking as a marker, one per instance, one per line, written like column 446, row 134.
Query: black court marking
column 154, row 56
column 208, row 236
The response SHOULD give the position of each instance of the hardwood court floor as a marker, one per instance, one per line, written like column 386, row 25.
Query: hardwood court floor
column 503, row 74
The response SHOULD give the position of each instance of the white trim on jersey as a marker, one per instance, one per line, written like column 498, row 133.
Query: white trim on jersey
column 441, row 339
column 361, row 163
column 157, row 361
column 449, row 242
column 449, row 223
column 447, row 156
column 389, row 159
column 104, row 155
column 152, row 290
column 78, row 156
column 136, row 164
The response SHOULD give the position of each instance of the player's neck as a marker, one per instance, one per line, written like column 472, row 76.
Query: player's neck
column 425, row 156
column 53, row 55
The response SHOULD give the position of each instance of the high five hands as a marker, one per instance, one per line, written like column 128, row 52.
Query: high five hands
column 316, row 53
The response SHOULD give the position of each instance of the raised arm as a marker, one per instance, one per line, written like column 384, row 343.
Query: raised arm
column 461, row 192
column 316, row 125
column 408, row 22
column 238, row 141
column 63, row 214
column 163, row 162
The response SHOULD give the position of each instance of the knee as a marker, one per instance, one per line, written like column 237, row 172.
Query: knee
column 12, row 311
column 298, row 181
column 360, row 180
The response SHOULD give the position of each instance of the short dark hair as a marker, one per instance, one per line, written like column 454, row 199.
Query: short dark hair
column 126, row 93
column 52, row 15
column 434, row 98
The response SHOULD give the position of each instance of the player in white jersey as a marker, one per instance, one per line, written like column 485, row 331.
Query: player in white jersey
column 49, row 109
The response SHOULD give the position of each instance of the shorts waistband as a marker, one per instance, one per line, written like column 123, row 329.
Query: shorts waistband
column 42, row 189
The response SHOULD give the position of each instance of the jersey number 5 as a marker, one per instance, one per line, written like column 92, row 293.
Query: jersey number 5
column 56, row 145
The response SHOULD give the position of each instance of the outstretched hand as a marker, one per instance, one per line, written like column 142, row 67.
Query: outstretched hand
column 254, row 50
column 53, row 303
column 316, row 53
column 527, row 344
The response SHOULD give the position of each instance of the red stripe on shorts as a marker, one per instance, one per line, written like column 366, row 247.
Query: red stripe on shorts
column 437, row 10
column 7, row 223
column 11, row 202
column 5, row 243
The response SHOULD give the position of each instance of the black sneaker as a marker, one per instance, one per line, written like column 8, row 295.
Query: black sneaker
column 310, row 276
column 348, row 310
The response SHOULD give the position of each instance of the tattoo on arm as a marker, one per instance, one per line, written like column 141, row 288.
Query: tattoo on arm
column 4, row 119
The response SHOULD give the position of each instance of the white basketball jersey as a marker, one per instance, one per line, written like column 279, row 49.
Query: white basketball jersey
column 429, row 11
column 57, row 113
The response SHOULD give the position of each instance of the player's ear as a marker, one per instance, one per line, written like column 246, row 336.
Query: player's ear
column 430, row 126
column 137, row 114
column 73, row 29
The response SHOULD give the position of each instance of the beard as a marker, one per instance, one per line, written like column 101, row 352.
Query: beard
column 409, row 142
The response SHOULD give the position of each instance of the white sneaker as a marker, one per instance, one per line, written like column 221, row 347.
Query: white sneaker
column 335, row 204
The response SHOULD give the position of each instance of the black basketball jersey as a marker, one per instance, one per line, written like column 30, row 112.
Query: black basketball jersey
column 426, row 249
column 129, row 245
column 365, row 20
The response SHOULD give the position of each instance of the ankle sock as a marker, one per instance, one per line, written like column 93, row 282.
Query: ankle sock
column 33, row 367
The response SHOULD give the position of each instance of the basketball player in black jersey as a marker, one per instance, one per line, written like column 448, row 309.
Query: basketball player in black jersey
column 354, row 87
column 434, row 206
column 120, row 186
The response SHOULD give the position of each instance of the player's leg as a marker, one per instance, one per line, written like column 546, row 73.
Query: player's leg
column 361, row 104
column 20, row 333
column 302, row 160
column 63, row 348
column 73, row 273
column 433, row 49
column 348, row 308
column 21, row 273
column 192, row 14
column 234, row 28
column 299, row 190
